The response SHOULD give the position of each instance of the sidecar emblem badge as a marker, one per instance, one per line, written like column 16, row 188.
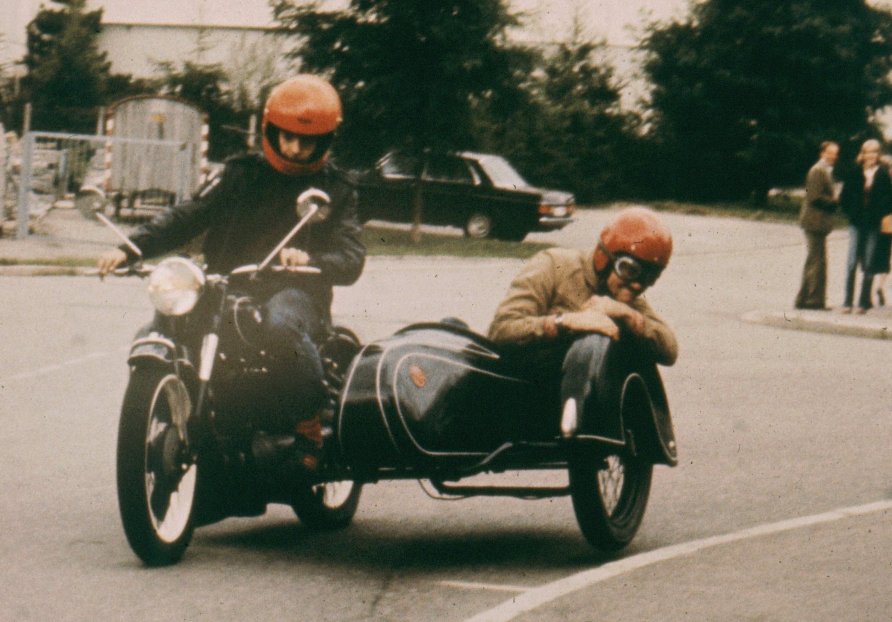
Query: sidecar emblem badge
column 417, row 375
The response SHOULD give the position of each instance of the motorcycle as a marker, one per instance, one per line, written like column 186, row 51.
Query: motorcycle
column 434, row 401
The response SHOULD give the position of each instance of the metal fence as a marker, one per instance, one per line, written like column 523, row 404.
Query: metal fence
column 92, row 169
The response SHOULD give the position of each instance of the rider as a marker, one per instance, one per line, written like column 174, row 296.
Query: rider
column 562, row 293
column 245, row 212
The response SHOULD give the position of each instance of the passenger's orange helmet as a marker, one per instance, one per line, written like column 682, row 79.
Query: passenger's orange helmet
column 305, row 105
column 637, row 232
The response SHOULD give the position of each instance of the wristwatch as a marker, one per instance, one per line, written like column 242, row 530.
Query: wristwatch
column 559, row 323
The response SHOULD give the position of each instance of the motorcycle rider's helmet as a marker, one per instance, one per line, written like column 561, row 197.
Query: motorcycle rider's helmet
column 305, row 105
column 636, row 245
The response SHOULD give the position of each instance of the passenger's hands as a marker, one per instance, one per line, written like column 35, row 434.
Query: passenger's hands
column 292, row 257
column 634, row 320
column 590, row 321
column 110, row 260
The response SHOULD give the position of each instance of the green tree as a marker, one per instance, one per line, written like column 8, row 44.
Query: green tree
column 573, row 132
column 412, row 72
column 744, row 92
column 67, row 75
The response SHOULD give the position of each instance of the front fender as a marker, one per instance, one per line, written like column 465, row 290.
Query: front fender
column 152, row 347
column 619, row 397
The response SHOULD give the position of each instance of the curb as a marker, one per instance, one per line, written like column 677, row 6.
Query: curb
column 867, row 326
column 45, row 270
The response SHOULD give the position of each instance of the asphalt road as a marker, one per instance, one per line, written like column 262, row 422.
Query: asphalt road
column 777, row 429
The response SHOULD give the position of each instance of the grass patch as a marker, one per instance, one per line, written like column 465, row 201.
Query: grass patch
column 776, row 210
column 396, row 241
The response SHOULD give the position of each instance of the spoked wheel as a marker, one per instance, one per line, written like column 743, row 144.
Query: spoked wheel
column 609, row 497
column 327, row 506
column 156, row 473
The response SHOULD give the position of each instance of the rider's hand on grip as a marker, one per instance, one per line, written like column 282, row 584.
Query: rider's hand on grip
column 110, row 260
column 293, row 257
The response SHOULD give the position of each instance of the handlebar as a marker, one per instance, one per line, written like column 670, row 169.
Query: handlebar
column 140, row 270
column 144, row 270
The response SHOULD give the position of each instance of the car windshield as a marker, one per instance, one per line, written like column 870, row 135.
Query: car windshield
column 501, row 173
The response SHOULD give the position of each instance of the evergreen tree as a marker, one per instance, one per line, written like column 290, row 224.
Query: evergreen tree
column 411, row 72
column 67, row 76
column 572, row 133
column 744, row 92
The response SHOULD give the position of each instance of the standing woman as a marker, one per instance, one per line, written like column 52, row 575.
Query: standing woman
column 866, row 198
column 883, row 256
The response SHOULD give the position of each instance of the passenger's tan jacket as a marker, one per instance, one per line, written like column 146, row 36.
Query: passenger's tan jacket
column 560, row 280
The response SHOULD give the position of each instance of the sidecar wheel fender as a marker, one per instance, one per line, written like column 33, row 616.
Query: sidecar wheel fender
column 617, row 389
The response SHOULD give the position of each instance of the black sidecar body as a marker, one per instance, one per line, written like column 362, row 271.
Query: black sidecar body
column 438, row 401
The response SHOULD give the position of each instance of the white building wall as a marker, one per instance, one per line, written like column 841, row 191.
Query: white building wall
column 137, row 49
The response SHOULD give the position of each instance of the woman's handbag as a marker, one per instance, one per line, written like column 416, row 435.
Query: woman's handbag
column 886, row 224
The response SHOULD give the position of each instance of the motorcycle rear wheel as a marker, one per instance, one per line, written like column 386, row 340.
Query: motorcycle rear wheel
column 609, row 497
column 328, row 506
column 156, row 476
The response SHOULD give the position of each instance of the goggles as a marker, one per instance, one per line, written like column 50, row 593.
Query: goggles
column 633, row 270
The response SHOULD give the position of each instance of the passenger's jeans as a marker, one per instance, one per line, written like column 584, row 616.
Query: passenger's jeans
column 862, row 248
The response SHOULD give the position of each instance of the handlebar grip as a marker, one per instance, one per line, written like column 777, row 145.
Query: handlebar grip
column 297, row 269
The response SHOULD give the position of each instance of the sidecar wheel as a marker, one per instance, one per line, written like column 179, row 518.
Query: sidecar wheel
column 156, row 474
column 327, row 506
column 609, row 498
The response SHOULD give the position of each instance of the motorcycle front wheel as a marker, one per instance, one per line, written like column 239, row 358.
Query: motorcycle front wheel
column 609, row 497
column 156, row 474
column 327, row 506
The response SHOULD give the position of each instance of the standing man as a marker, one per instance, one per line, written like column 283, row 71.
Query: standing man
column 816, row 220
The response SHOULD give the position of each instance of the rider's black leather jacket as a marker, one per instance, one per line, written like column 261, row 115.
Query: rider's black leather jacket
column 249, row 208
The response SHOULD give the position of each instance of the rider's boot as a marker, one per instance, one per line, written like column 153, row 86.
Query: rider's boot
column 300, row 452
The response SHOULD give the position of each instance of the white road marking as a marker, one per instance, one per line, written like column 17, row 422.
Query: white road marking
column 549, row 592
column 496, row 587
column 41, row 371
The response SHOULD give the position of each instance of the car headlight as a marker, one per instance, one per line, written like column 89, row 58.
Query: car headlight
column 175, row 286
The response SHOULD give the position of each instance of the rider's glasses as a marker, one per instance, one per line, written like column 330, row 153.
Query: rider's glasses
column 633, row 270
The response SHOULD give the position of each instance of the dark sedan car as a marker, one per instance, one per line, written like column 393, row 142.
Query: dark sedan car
column 481, row 193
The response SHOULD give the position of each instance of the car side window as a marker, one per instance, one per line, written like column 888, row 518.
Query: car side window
column 398, row 165
column 449, row 168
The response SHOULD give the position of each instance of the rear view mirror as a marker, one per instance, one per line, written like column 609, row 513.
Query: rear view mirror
column 310, row 198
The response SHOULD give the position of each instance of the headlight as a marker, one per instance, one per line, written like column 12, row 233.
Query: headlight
column 175, row 286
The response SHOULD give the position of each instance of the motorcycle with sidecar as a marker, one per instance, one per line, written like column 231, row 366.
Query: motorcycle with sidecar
column 434, row 401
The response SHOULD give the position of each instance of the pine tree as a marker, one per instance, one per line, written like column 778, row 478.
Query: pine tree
column 743, row 93
column 67, row 75
column 410, row 71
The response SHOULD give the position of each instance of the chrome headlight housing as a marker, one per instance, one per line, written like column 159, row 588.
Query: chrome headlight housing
column 175, row 286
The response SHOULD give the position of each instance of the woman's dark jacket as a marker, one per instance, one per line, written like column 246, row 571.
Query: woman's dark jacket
column 865, row 212
column 249, row 209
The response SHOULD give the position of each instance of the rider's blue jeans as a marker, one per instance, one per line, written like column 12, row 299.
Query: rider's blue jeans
column 292, row 320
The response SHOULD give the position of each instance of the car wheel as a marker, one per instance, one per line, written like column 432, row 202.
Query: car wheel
column 478, row 225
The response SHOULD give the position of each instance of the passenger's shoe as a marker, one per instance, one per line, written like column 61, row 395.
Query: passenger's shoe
column 270, row 450
column 881, row 298
column 308, row 443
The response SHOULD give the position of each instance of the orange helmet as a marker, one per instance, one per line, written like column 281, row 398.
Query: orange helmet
column 305, row 105
column 635, row 232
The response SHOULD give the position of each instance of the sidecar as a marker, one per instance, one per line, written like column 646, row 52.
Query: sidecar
column 437, row 401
